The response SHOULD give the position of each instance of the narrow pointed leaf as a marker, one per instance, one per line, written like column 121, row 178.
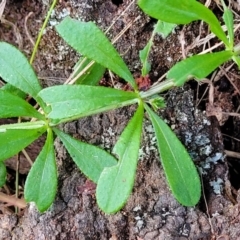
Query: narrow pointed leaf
column 93, row 44
column 228, row 20
column 161, row 28
column 13, row 106
column 90, row 159
column 41, row 183
column 115, row 183
column 198, row 66
column 14, row 140
column 143, row 54
column 92, row 76
column 16, row 70
column 71, row 102
column 180, row 171
column 182, row 12
column 3, row 174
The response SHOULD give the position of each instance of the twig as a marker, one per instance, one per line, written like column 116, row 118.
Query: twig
column 236, row 139
column 16, row 31
column 232, row 154
column 26, row 28
column 27, row 157
column 2, row 7
column 21, row 203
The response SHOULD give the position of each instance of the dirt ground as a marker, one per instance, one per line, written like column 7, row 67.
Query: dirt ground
column 205, row 123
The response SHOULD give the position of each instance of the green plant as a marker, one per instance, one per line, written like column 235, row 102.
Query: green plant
column 115, row 173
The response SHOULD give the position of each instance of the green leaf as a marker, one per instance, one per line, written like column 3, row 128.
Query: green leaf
column 180, row 171
column 164, row 28
column 93, row 44
column 198, row 66
column 182, row 12
column 14, row 140
column 16, row 70
column 236, row 59
column 41, row 183
column 3, row 174
column 115, row 183
column 92, row 76
column 72, row 102
column 90, row 159
column 143, row 54
column 157, row 102
column 13, row 90
column 228, row 20
column 13, row 106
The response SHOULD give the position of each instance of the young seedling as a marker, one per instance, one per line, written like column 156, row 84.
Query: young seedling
column 113, row 174
column 161, row 28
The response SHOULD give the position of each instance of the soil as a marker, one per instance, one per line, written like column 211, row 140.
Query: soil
column 151, row 211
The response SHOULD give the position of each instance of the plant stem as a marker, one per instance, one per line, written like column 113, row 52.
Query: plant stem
column 41, row 31
column 161, row 87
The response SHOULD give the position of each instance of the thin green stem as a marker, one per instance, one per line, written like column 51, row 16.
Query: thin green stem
column 41, row 31
column 161, row 87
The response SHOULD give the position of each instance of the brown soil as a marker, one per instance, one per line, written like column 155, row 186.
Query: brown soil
column 151, row 212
